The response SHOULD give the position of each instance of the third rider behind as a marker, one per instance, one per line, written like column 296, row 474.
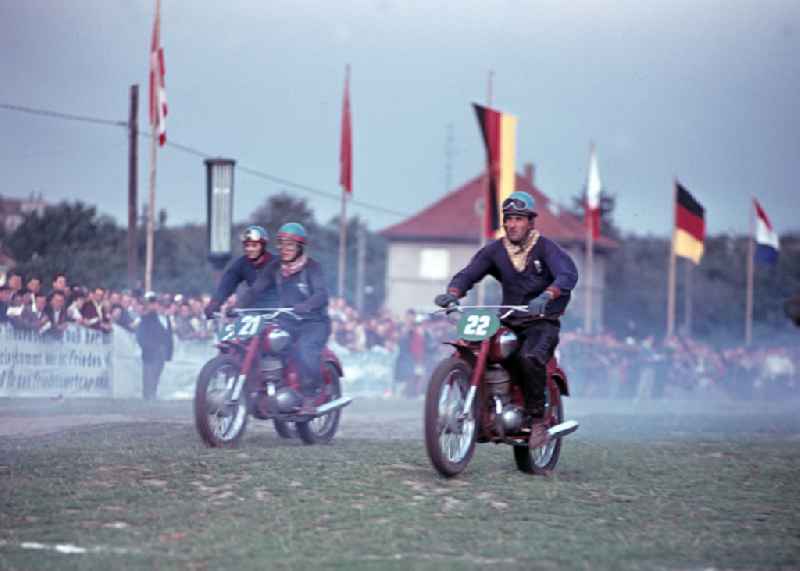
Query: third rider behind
column 301, row 286
column 245, row 269
column 532, row 271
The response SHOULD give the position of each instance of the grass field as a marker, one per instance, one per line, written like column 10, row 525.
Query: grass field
column 643, row 486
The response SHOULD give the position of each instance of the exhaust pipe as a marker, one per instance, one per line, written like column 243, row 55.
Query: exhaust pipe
column 334, row 404
column 562, row 429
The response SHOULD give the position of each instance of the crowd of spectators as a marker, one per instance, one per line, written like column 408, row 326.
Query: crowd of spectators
column 27, row 305
column 598, row 365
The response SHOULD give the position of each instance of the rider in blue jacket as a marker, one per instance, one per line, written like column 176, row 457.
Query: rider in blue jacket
column 300, row 284
column 246, row 269
column 533, row 271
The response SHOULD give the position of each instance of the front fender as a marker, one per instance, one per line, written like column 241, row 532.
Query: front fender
column 464, row 352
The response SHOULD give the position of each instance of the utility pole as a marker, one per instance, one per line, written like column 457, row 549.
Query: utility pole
column 133, row 184
column 361, row 266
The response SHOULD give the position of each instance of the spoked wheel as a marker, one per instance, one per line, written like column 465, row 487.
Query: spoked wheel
column 321, row 430
column 219, row 422
column 285, row 429
column 449, row 434
column 543, row 460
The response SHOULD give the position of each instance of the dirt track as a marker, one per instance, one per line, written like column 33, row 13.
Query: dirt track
column 392, row 419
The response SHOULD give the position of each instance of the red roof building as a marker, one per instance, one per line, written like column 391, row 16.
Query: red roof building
column 455, row 217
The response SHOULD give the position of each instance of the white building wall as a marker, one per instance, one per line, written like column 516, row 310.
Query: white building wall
column 418, row 271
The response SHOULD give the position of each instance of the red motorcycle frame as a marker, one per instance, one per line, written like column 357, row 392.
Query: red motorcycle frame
column 255, row 373
column 472, row 397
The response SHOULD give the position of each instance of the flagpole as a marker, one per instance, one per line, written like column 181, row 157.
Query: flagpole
column 748, row 312
column 587, row 319
column 342, row 244
column 486, row 207
column 671, row 279
column 687, row 305
column 151, row 210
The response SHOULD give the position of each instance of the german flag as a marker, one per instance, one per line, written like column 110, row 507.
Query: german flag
column 690, row 225
column 500, row 137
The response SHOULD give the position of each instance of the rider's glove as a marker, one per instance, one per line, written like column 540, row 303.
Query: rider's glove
column 211, row 309
column 538, row 305
column 301, row 308
column 445, row 300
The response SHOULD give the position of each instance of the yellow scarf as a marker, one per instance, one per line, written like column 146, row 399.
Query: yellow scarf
column 518, row 253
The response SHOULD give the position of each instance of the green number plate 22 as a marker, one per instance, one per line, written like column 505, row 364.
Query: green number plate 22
column 478, row 325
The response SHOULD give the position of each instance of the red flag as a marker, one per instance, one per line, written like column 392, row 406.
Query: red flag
column 158, row 93
column 346, row 147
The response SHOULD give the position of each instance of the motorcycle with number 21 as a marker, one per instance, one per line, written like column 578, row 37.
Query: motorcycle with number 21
column 256, row 373
column 472, row 397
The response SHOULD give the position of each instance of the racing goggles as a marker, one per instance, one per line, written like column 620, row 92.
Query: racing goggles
column 512, row 205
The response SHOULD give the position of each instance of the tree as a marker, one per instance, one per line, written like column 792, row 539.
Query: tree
column 324, row 245
column 70, row 238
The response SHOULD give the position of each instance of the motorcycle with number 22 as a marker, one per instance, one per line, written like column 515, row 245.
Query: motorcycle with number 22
column 472, row 397
column 256, row 373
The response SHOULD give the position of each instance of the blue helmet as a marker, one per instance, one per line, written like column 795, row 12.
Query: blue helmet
column 254, row 233
column 293, row 231
column 520, row 203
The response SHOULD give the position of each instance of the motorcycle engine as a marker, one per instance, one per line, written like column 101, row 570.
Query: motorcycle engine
column 511, row 418
column 271, row 369
column 498, row 381
column 288, row 399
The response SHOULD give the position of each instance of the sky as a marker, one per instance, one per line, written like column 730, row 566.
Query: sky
column 705, row 91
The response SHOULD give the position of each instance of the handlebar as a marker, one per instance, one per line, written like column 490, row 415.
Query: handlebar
column 269, row 312
column 509, row 309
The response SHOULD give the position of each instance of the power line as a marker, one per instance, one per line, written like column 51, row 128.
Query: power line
column 196, row 152
column 59, row 115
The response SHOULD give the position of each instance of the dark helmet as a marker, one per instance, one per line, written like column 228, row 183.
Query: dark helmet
column 254, row 233
column 292, row 231
column 519, row 203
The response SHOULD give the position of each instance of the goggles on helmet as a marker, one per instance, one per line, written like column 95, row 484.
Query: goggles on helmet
column 519, row 203
column 254, row 234
column 515, row 204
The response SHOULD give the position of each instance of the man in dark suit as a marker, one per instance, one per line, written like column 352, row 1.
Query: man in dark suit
column 54, row 321
column 154, row 336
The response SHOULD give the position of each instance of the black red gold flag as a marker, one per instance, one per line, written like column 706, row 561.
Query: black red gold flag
column 499, row 132
column 690, row 225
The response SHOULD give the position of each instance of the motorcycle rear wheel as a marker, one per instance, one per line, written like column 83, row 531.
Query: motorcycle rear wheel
column 321, row 430
column 543, row 460
column 449, row 438
column 219, row 423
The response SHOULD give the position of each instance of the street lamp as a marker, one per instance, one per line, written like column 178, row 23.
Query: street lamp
column 219, row 210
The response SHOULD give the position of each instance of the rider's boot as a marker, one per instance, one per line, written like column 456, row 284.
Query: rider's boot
column 313, row 396
column 533, row 387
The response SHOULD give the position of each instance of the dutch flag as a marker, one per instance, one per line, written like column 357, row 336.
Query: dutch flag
column 766, row 238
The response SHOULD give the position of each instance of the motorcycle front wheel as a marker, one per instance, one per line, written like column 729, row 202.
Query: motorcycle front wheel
column 219, row 422
column 321, row 429
column 449, row 433
column 543, row 460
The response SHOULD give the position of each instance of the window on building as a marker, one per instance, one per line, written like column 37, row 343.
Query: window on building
column 434, row 263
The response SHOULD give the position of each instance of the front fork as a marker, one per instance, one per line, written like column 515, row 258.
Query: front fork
column 475, row 379
column 234, row 386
